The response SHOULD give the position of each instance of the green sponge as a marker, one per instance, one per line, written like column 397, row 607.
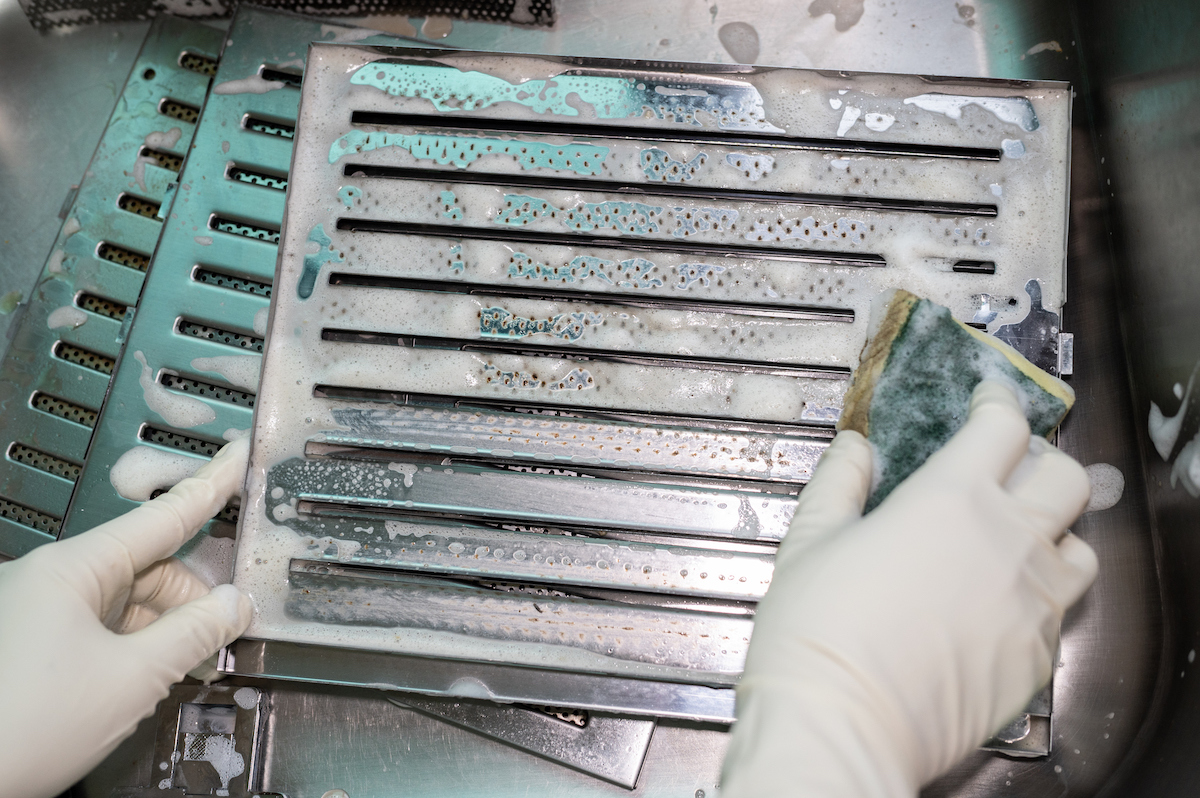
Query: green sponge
column 912, row 389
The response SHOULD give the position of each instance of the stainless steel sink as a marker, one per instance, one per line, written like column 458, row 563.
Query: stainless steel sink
column 1126, row 703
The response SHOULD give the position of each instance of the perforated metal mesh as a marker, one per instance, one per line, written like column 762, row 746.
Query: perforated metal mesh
column 142, row 207
column 240, row 228
column 198, row 63
column 258, row 178
column 84, row 357
column 240, row 340
column 166, row 160
column 207, row 389
column 101, row 306
column 270, row 128
column 43, row 461
column 125, row 257
column 209, row 277
column 63, row 409
column 179, row 441
column 229, row 514
column 177, row 110
column 29, row 517
column 49, row 14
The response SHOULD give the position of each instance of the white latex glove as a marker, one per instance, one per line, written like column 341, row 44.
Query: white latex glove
column 72, row 688
column 890, row 646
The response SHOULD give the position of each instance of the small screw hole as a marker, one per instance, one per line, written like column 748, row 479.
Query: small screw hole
column 149, row 74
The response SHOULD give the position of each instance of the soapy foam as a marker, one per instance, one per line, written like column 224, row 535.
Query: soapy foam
column 1164, row 431
column 239, row 370
column 255, row 84
column 1108, row 484
column 177, row 410
column 1187, row 468
column 164, row 140
column 66, row 316
column 259, row 324
column 144, row 469
column 916, row 248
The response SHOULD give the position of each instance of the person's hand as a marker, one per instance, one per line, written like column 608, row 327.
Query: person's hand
column 84, row 653
column 891, row 645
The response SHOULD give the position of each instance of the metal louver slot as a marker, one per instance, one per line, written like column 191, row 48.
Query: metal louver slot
column 43, row 461
column 286, row 77
column 557, row 377
column 234, row 283
column 257, row 177
column 198, row 63
column 177, row 440
column 101, row 306
column 122, row 256
column 212, row 390
column 177, row 110
column 228, row 337
column 203, row 311
column 246, row 229
column 61, row 408
column 82, row 357
column 28, row 517
column 269, row 127
column 162, row 159
column 142, row 207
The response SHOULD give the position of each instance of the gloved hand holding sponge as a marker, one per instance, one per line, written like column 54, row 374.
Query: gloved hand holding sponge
column 888, row 646
column 892, row 644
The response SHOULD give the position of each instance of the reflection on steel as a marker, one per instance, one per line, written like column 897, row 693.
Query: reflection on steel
column 503, row 684
column 605, row 746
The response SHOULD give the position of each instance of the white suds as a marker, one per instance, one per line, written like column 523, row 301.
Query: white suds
column 71, row 227
column 225, row 759
column 204, row 241
column 1164, row 430
column 246, row 697
column 177, row 410
column 1011, row 110
column 66, row 316
column 239, row 370
column 878, row 122
column 234, row 434
column 255, row 84
column 1187, row 467
column 164, row 140
column 144, row 469
column 1108, row 483
column 407, row 469
column 332, row 33
column 849, row 117
column 55, row 264
column 1013, row 148
column 259, row 325
column 1043, row 46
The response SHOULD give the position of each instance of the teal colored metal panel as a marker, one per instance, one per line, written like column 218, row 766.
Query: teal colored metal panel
column 221, row 221
column 66, row 366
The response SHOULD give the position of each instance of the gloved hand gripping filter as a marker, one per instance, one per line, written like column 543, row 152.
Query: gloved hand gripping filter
column 555, row 343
